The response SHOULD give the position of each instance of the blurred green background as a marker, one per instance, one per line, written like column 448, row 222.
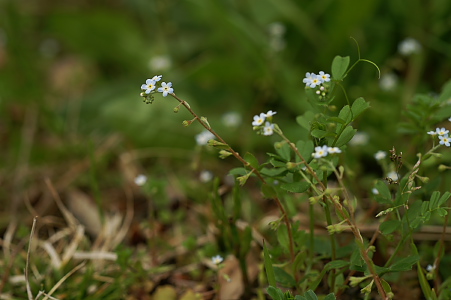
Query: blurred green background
column 71, row 71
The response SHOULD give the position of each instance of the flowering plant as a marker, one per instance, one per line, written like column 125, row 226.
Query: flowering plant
column 314, row 168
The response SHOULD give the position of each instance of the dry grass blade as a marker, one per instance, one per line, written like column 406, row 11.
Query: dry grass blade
column 29, row 293
column 57, row 285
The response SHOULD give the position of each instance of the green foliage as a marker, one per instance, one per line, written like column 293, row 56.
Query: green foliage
column 277, row 294
column 79, row 63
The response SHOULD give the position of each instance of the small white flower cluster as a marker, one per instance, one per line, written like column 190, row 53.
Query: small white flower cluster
column 324, row 151
column 150, row 87
column 312, row 80
column 380, row 155
column 140, row 180
column 442, row 135
column 267, row 128
column 217, row 259
column 393, row 175
column 409, row 46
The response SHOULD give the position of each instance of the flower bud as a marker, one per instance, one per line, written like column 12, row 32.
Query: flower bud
column 442, row 168
column 224, row 153
column 291, row 165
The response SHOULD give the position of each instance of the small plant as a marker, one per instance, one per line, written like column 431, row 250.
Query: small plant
column 315, row 169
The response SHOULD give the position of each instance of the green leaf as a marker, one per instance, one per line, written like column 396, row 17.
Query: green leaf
column 358, row 107
column 305, row 148
column 435, row 197
column 345, row 114
column 273, row 172
column 356, row 259
column 404, row 264
column 425, row 207
column 336, row 264
column 306, row 119
column 384, row 196
column 442, row 212
column 330, row 297
column 284, row 278
column 245, row 241
column 275, row 293
column 238, row 171
column 269, row 268
column 295, row 187
column 336, row 120
column 339, row 67
column 318, row 133
column 284, row 151
column 444, row 198
column 386, row 286
column 345, row 136
column 252, row 160
column 425, row 287
column 310, row 295
column 390, row 226
column 283, row 238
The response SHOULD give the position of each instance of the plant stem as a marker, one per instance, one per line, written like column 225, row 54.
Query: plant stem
column 339, row 208
column 332, row 242
column 245, row 163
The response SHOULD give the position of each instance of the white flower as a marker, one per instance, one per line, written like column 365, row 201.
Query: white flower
column 148, row 86
column 231, row 119
column 157, row 78
column 320, row 152
column 444, row 140
column 205, row 176
column 259, row 119
column 166, row 88
column 393, row 175
column 270, row 113
column 268, row 129
column 409, row 46
column 316, row 80
column 359, row 139
column 203, row 137
column 141, row 180
column 388, row 82
column 430, row 268
column 324, row 76
column 333, row 150
column 441, row 131
column 432, row 132
column 375, row 191
column 380, row 155
column 217, row 259
column 308, row 78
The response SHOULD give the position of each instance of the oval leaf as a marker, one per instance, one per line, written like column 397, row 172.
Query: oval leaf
column 339, row 67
